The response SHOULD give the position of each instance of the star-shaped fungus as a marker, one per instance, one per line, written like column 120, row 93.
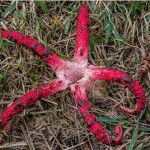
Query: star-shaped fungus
column 78, row 75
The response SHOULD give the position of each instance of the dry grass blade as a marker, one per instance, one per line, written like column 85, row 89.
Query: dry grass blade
column 75, row 146
column 51, row 132
column 28, row 138
column 46, row 142
column 14, row 145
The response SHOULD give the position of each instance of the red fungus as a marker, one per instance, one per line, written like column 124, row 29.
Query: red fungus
column 76, row 75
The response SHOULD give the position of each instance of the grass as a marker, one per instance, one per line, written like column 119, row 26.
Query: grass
column 119, row 38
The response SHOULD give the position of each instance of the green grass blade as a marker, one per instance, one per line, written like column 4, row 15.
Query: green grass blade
column 3, row 75
column 8, row 43
column 107, row 23
column 148, row 17
column 92, row 48
column 9, row 9
column 116, row 35
column 1, row 40
column 43, row 6
column 70, row 5
column 136, row 131
column 67, row 25
column 63, row 56
column 134, row 137
column 102, row 15
column 105, row 62
column 117, row 120
column 112, row 120
column 98, row 40
column 4, row 43
column 134, row 6
column 108, row 29
column 92, row 43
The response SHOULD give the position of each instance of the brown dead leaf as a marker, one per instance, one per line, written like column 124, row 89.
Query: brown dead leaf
column 56, row 18
column 145, row 65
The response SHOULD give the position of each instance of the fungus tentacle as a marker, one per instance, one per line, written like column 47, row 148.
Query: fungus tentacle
column 115, row 75
column 29, row 99
column 95, row 127
column 82, row 34
column 45, row 53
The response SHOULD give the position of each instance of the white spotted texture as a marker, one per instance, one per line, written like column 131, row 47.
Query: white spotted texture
column 75, row 72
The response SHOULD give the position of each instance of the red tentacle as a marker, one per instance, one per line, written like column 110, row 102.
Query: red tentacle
column 29, row 99
column 82, row 37
column 45, row 53
column 115, row 75
column 95, row 127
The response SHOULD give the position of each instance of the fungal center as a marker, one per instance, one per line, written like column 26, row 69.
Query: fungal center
column 73, row 75
column 72, row 72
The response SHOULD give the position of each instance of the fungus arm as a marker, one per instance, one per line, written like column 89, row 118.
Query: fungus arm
column 45, row 53
column 115, row 75
column 82, row 34
column 29, row 99
column 95, row 127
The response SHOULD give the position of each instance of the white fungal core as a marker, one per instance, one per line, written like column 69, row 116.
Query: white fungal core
column 73, row 72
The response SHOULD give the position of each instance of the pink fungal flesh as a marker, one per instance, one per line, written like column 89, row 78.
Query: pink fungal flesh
column 82, row 37
column 76, row 75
